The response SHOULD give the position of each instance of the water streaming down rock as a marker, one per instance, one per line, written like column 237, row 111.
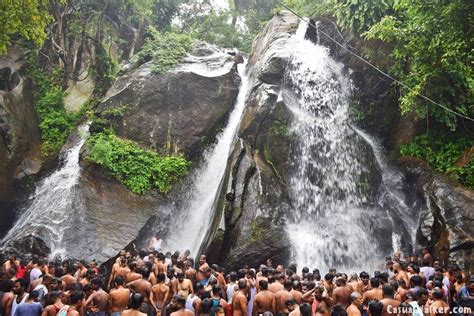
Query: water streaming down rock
column 336, row 221
column 52, row 202
column 193, row 217
column 402, row 209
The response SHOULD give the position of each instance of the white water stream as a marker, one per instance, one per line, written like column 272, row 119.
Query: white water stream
column 53, row 201
column 193, row 218
column 335, row 214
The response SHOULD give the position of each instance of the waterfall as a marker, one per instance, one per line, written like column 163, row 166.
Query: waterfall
column 191, row 221
column 335, row 213
column 52, row 202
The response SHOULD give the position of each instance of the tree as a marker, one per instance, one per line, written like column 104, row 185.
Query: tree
column 26, row 19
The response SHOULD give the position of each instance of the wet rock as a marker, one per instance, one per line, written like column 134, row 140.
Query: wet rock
column 20, row 137
column 447, row 216
column 181, row 111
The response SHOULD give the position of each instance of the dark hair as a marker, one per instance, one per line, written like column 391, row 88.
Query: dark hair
column 233, row 276
column 180, row 300
column 206, row 306
column 145, row 273
column 374, row 282
column 242, row 284
column 76, row 297
column 23, row 283
column 421, row 292
column 97, row 281
column 136, row 300
column 305, row 309
column 161, row 277
column 216, row 289
column 328, row 277
column 388, row 290
column 263, row 284
column 6, row 286
column 375, row 308
column 338, row 310
column 416, row 280
column 288, row 285
column 119, row 280
column 197, row 286
column 33, row 295
column 437, row 293
column 364, row 275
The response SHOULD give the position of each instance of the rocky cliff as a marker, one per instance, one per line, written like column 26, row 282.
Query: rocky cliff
column 20, row 137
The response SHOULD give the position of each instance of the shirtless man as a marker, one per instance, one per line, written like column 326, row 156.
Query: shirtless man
column 400, row 274
column 439, row 306
column 143, row 286
column 263, row 275
column 389, row 303
column 159, row 294
column 328, row 283
column 7, row 298
column 135, row 304
column 401, row 291
column 119, row 268
column 282, row 296
column 355, row 283
column 201, row 274
column 264, row 300
column 133, row 274
column 75, row 308
column 364, row 282
column 356, row 302
column 68, row 279
column 181, row 304
column 296, row 291
column 55, row 307
column 118, row 297
column 160, row 265
column 189, row 272
column 90, row 274
column 240, row 299
column 11, row 263
column 98, row 301
column 274, row 286
column 182, row 286
column 342, row 293
column 375, row 293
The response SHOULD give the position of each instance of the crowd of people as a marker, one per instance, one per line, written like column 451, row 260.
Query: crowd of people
column 153, row 283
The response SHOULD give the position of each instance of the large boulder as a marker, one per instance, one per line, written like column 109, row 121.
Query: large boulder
column 447, row 216
column 254, row 194
column 181, row 111
column 20, row 137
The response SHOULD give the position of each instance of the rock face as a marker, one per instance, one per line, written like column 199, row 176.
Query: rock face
column 20, row 136
column 447, row 216
column 254, row 194
column 179, row 112
column 172, row 113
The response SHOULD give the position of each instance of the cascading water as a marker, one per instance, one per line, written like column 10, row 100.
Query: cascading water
column 334, row 208
column 394, row 199
column 193, row 218
column 53, row 201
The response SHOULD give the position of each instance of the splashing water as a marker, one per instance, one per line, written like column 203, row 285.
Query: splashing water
column 195, row 215
column 333, row 212
column 53, row 201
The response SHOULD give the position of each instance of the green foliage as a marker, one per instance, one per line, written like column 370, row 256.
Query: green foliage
column 441, row 152
column 433, row 55
column 137, row 168
column 103, row 71
column 27, row 19
column 256, row 231
column 55, row 123
column 166, row 49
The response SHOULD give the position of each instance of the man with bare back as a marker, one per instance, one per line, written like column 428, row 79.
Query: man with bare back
column 118, row 297
column 264, row 300
column 240, row 299
column 159, row 294
column 282, row 296
column 97, row 303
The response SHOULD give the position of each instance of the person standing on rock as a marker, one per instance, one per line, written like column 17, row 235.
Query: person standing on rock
column 118, row 297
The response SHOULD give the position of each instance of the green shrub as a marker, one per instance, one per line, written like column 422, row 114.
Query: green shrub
column 166, row 49
column 441, row 153
column 137, row 168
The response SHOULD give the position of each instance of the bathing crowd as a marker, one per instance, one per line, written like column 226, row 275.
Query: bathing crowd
column 153, row 283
